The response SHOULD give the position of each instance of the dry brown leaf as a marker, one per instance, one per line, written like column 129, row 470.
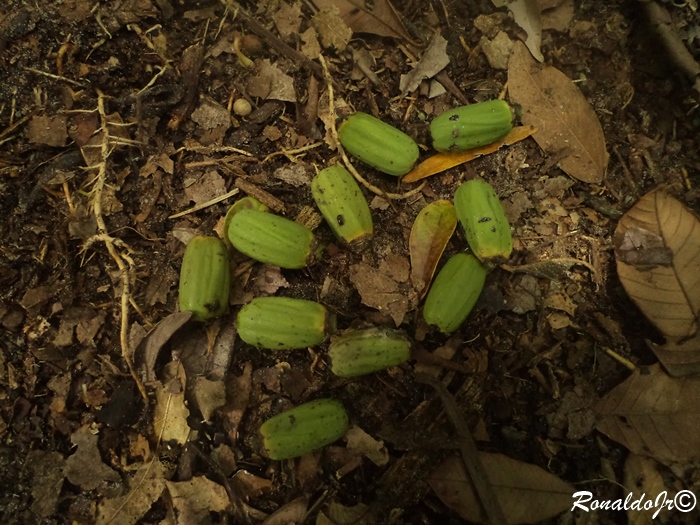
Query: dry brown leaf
column 379, row 18
column 526, row 492
column 567, row 124
column 171, row 412
column 379, row 288
column 85, row 468
column 444, row 161
column 196, row 498
column 145, row 487
column 433, row 61
column 642, row 477
column 526, row 14
column 657, row 249
column 654, row 414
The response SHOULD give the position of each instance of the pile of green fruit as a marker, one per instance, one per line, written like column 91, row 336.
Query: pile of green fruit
column 283, row 323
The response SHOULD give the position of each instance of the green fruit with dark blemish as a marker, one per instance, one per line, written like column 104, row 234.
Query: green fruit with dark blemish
column 343, row 205
column 484, row 220
column 472, row 126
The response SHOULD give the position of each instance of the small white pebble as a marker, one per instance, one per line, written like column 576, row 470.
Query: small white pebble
column 242, row 107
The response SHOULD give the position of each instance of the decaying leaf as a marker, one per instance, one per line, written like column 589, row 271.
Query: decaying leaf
column 146, row 485
column 567, row 124
column 379, row 17
column 331, row 28
column 433, row 61
column 337, row 514
column 271, row 83
column 657, row 249
column 526, row 492
column 444, row 161
column 171, row 413
column 430, row 233
column 654, row 414
column 642, row 477
column 526, row 14
column 196, row 498
column 85, row 468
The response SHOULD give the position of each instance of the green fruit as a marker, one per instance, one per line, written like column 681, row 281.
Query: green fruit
column 304, row 429
column 205, row 278
column 284, row 323
column 241, row 204
column 454, row 292
column 378, row 144
column 359, row 352
column 271, row 239
column 484, row 221
column 469, row 127
column 343, row 205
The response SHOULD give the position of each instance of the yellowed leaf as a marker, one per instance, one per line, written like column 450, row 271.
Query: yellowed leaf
column 444, row 161
column 430, row 233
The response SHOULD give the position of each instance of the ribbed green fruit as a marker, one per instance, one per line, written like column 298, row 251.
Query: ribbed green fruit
column 241, row 204
column 205, row 278
column 271, row 239
column 454, row 292
column 304, row 429
column 484, row 221
column 359, row 352
column 378, row 144
column 469, row 127
column 284, row 323
column 343, row 205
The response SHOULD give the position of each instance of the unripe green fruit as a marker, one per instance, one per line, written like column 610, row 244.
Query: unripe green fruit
column 284, row 323
column 469, row 127
column 304, row 429
column 378, row 144
column 484, row 220
column 359, row 352
column 205, row 278
column 454, row 292
column 271, row 239
column 343, row 205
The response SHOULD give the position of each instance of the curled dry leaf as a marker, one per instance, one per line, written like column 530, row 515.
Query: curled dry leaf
column 654, row 414
column 567, row 125
column 430, row 233
column 657, row 251
column 525, row 492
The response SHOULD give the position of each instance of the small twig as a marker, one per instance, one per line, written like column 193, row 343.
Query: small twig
column 341, row 150
column 55, row 77
column 470, row 454
column 289, row 152
column 213, row 201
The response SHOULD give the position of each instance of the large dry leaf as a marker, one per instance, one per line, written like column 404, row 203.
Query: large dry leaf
column 654, row 414
column 642, row 477
column 567, row 126
column 526, row 14
column 526, row 492
column 657, row 249
column 379, row 17
column 430, row 233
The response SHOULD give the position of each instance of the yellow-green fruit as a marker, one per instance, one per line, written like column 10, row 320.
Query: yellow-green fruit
column 271, row 239
column 484, row 221
column 359, row 352
column 454, row 292
column 343, row 205
column 469, row 127
column 284, row 323
column 205, row 278
column 304, row 429
column 378, row 144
